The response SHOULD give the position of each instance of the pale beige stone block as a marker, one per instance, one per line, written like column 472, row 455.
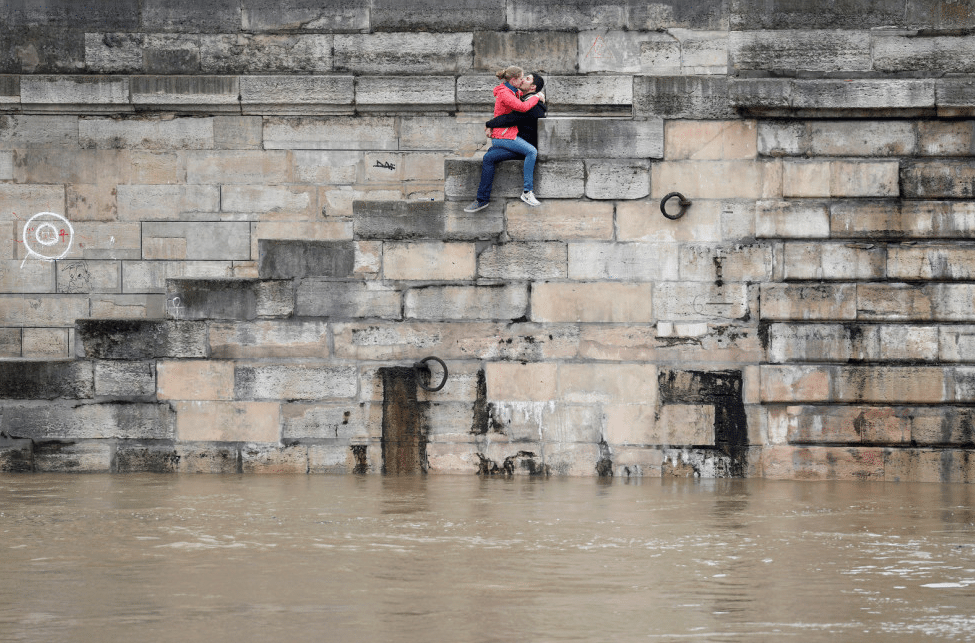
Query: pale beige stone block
column 294, row 200
column 559, row 220
column 91, row 202
column 806, row 178
column 608, row 383
column 930, row 262
column 591, row 302
column 864, row 179
column 24, row 201
column 429, row 261
column 269, row 339
column 862, row 138
column 331, row 167
column 803, row 301
column 945, row 138
column 727, row 263
column 32, row 276
column 740, row 179
column 194, row 380
column 818, row 261
column 891, row 302
column 154, row 249
column 214, row 167
column 630, row 261
column 678, row 301
column 46, row 342
column 788, row 384
column 710, row 140
column 670, row 424
column 891, row 385
column 165, row 202
column 228, row 421
column 368, row 258
column 393, row 167
column 466, row 302
column 274, row 459
column 642, row 220
column 797, row 219
column 521, row 382
column 43, row 310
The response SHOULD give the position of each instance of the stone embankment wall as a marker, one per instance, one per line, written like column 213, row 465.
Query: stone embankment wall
column 231, row 228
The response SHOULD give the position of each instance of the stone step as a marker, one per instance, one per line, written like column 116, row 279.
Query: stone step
column 140, row 339
column 234, row 299
column 442, row 220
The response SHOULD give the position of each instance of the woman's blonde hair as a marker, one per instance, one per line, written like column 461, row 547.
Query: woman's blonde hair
column 510, row 72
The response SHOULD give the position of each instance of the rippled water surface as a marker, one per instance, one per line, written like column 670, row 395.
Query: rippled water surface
column 345, row 558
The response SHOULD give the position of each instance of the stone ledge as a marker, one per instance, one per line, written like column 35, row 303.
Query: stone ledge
column 875, row 97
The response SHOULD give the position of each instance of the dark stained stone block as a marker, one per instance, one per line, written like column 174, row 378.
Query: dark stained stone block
column 94, row 15
column 325, row 16
column 850, row 14
column 146, row 457
column 191, row 16
column 694, row 97
column 16, row 455
column 432, row 220
column 937, row 179
column 556, row 52
column 41, row 50
column 240, row 299
column 30, row 380
column 290, row 258
column 136, row 339
column 436, row 15
column 72, row 421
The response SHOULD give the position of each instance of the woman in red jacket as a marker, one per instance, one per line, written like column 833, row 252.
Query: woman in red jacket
column 506, row 100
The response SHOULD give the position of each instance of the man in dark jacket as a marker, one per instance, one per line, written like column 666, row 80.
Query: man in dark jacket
column 527, row 123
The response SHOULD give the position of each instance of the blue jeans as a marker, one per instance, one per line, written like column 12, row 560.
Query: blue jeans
column 504, row 150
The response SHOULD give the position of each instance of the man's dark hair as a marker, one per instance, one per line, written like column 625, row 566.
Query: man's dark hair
column 538, row 81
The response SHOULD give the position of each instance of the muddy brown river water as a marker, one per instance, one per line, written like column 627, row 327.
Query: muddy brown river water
column 346, row 558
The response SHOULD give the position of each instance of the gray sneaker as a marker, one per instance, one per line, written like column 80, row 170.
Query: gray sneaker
column 477, row 206
column 529, row 198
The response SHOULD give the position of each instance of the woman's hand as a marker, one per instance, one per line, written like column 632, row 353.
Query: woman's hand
column 487, row 132
column 541, row 96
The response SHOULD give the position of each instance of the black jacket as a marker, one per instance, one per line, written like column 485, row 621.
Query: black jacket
column 527, row 122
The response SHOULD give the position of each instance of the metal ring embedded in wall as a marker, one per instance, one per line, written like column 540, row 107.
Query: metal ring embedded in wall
column 684, row 203
column 422, row 366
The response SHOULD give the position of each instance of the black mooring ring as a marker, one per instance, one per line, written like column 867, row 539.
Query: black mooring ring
column 422, row 365
column 684, row 203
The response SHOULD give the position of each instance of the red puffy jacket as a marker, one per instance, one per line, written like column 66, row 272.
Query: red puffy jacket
column 505, row 102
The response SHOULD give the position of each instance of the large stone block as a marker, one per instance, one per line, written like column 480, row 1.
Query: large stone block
column 237, row 166
column 47, row 343
column 928, row 465
column 242, row 53
column 466, row 302
column 554, row 51
column 217, row 241
column 290, row 258
column 238, row 132
column 953, row 179
column 268, row 339
column 66, row 421
column 11, row 342
column 664, row 14
column 931, row 262
column 21, row 131
column 887, row 384
column 840, row 178
column 333, row 16
column 73, row 457
column 675, row 301
column 383, row 93
column 344, row 300
column 954, row 96
column 553, row 179
column 297, row 94
column 890, row 302
column 690, row 97
column 28, row 277
column 641, row 221
column 863, row 95
column 917, row 52
column 46, row 380
column 330, row 133
column 125, row 379
column 146, row 133
column 809, row 301
column 831, row 261
column 521, row 382
column 195, row 380
column 608, row 383
column 706, row 140
column 95, row 93
column 623, row 261
column 266, row 201
column 437, row 220
column 89, row 276
column 591, row 302
column 429, row 261
column 239, row 299
column 717, row 179
column 27, row 200
column 41, row 310
column 617, row 179
column 228, row 421
column 403, row 53
column 524, row 260
column 801, row 50
column 295, row 381
column 798, row 219
column 208, row 458
column 151, row 276
column 185, row 15
column 185, row 93
column 726, row 263
column 848, row 14
column 559, row 220
column 140, row 339
column 574, row 138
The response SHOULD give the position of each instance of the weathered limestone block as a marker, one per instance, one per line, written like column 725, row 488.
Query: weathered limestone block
column 956, row 343
column 591, row 302
column 521, row 382
column 551, row 15
column 832, row 261
column 617, row 179
column 674, row 97
column 559, row 220
column 710, row 140
column 175, row 53
column 94, row 93
column 246, row 53
column 403, row 53
column 274, row 459
column 218, row 241
column 675, row 301
column 883, row 384
column 524, row 260
column 462, row 134
column 928, row 465
column 70, row 420
column 916, row 52
column 140, row 339
column 110, row 306
column 798, row 219
column 6, row 166
column 953, row 179
column 809, row 301
column 91, row 203
column 574, row 138
column 16, row 455
column 889, row 302
column 838, row 138
column 936, row 261
column 952, row 302
column 683, row 342
column 840, row 178
column 852, row 342
column 429, row 261
column 289, row 259
column 623, row 261
column 41, row 310
column 790, row 384
column 717, row 179
column 632, row 52
column 267, row 200
column 125, row 379
column 725, row 263
column 138, row 456
column 228, row 421
column 466, row 302
column 350, row 421
column 850, row 14
column 641, row 221
column 195, row 380
column 27, row 277
column 823, row 463
column 554, row 51
column 28, row 200
column 330, row 132
column 11, row 342
column 246, row 167
column 865, row 94
column 70, row 457
column 83, row 240
column 89, row 276
column 462, row 341
column 46, row 380
column 607, row 383
column 207, row 458
column 186, row 93
column 238, row 132
column 404, row 93
column 442, row 220
column 945, row 138
column 240, row 299
column 338, row 299
column 576, row 94
column 331, row 17
column 670, row 425
column 151, row 276
column 294, row 381
column 798, row 49
column 553, row 179
column 180, row 15
column 118, row 53
column 47, row 343
column 954, row 96
column 268, row 339
column 146, row 133
column 22, row 131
